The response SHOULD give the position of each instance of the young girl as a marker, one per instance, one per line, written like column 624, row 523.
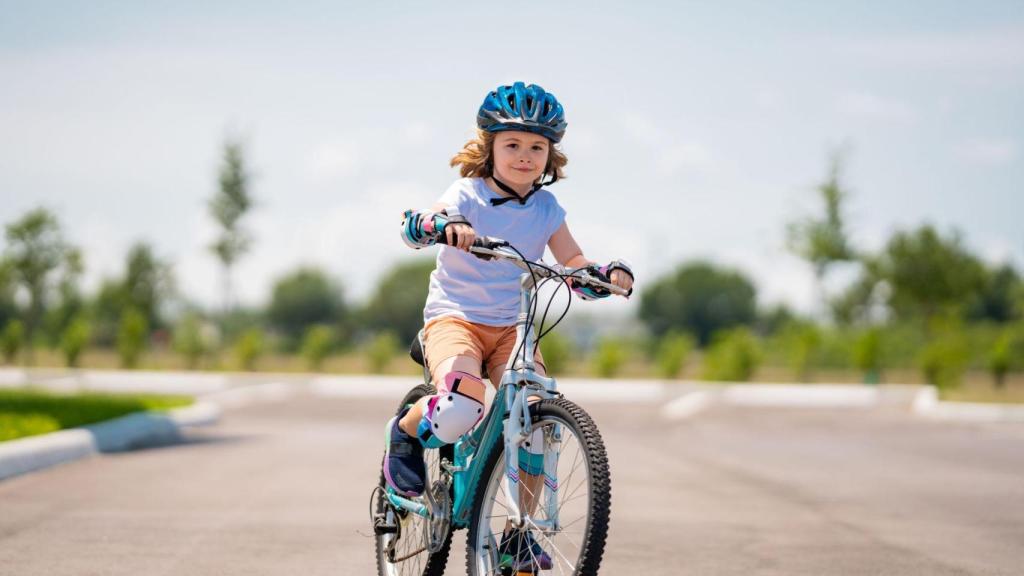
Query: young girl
column 471, row 308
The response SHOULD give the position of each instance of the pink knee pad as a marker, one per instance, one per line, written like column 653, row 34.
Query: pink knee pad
column 452, row 412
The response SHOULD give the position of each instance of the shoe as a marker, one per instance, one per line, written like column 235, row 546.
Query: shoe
column 404, row 470
column 519, row 551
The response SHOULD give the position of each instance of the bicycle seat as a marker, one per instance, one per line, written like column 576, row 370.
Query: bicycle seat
column 416, row 350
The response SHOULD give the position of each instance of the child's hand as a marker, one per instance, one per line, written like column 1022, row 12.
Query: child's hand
column 620, row 274
column 460, row 236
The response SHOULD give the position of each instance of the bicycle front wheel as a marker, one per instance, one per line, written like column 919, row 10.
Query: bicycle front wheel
column 568, row 512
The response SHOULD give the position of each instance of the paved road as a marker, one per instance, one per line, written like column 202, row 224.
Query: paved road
column 282, row 488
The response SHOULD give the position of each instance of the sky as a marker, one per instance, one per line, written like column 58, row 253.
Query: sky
column 696, row 130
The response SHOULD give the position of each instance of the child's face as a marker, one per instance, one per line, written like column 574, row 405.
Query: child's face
column 519, row 157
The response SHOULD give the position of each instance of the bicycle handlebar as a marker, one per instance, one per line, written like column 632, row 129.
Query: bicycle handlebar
column 487, row 248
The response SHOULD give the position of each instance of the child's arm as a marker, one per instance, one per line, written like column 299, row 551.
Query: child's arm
column 568, row 253
column 462, row 231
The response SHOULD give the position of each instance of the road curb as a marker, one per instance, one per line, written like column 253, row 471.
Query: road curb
column 138, row 430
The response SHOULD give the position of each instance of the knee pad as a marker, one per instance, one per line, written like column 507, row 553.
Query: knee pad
column 452, row 412
column 531, row 453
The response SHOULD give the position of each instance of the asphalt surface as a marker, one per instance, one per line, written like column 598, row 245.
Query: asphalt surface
column 283, row 487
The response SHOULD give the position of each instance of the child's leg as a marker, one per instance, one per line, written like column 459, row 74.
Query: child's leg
column 466, row 364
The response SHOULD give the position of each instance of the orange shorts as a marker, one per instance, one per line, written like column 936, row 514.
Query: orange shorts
column 448, row 336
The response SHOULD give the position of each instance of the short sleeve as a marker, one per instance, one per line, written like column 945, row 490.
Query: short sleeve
column 556, row 216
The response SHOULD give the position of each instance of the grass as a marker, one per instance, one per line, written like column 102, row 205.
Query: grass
column 31, row 412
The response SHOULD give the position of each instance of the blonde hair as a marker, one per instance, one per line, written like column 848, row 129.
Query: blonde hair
column 475, row 160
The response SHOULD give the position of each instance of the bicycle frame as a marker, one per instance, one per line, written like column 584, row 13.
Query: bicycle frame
column 520, row 381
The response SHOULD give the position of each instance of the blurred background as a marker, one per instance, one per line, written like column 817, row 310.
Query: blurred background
column 808, row 192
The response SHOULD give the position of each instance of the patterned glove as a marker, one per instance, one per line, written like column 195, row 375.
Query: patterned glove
column 418, row 228
column 604, row 274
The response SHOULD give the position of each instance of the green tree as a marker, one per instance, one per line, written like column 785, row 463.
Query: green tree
column 929, row 275
column 147, row 283
column 302, row 299
column 996, row 301
column 74, row 339
column 734, row 356
column 8, row 306
column 397, row 303
column 700, row 299
column 672, row 352
column 945, row 356
column 227, row 207
column 999, row 359
column 131, row 337
column 823, row 241
column 70, row 302
column 35, row 250
column 12, row 339
column 316, row 345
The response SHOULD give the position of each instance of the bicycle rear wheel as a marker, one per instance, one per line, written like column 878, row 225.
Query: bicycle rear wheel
column 406, row 552
column 580, row 490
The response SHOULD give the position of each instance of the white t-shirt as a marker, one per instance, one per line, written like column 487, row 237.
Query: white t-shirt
column 487, row 292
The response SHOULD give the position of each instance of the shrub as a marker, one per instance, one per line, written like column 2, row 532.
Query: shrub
column 131, row 337
column 999, row 359
column 316, row 345
column 944, row 359
column 867, row 355
column 801, row 342
column 381, row 349
column 188, row 340
column 609, row 357
column 557, row 350
column 733, row 356
column 12, row 339
column 74, row 339
column 249, row 347
column 672, row 352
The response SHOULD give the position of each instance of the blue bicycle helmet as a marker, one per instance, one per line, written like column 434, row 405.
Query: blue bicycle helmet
column 522, row 107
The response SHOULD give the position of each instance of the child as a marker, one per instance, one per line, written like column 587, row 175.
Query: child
column 471, row 308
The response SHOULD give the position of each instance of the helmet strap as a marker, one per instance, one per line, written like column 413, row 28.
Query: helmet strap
column 515, row 195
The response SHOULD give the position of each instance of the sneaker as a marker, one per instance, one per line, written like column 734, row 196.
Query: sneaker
column 519, row 551
column 404, row 470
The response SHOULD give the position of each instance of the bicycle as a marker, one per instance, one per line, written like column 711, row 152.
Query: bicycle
column 475, row 483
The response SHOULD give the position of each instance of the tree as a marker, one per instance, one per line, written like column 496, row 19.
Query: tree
column 397, row 304
column 996, row 301
column 302, row 299
column 131, row 337
column 823, row 241
column 70, row 302
column 929, row 274
column 700, row 299
column 35, row 249
column 147, row 283
column 8, row 307
column 228, row 207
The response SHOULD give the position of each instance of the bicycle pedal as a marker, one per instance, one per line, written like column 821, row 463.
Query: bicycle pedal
column 381, row 526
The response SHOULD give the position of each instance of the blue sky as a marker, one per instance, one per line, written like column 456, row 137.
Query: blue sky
column 696, row 130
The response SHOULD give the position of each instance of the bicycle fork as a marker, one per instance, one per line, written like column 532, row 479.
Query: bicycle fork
column 519, row 427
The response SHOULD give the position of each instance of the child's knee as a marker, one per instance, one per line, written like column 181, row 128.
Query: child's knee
column 452, row 412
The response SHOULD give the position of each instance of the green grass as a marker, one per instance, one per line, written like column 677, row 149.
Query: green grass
column 32, row 411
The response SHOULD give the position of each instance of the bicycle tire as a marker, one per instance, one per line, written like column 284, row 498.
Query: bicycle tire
column 594, row 535
column 435, row 563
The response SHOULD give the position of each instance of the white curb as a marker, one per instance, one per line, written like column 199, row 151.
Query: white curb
column 928, row 405
column 131, row 431
column 687, row 405
column 802, row 396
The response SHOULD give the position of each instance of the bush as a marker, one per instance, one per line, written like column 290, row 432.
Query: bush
column 188, row 340
column 12, row 339
column 131, row 337
column 944, row 359
column 733, row 356
column 867, row 355
column 316, row 345
column 672, row 352
column 801, row 341
column 381, row 350
column 609, row 357
column 557, row 350
column 999, row 359
column 74, row 339
column 249, row 348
